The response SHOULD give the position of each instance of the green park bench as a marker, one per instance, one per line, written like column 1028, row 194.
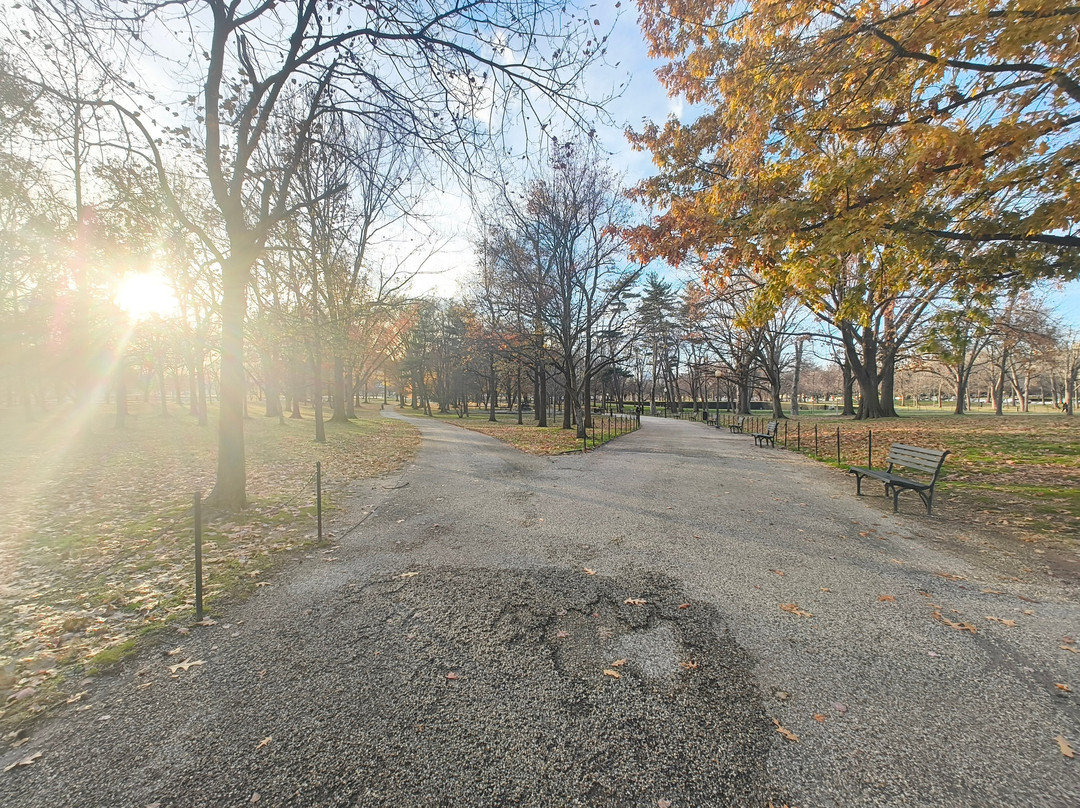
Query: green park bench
column 928, row 461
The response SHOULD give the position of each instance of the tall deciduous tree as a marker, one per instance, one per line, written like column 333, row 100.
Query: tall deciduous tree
column 251, row 71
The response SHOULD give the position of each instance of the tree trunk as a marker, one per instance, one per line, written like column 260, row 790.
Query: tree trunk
column 795, row 376
column 540, row 395
column 340, row 415
column 229, row 491
column 493, row 385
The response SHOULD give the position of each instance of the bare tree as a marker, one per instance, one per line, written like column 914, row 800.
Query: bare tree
column 251, row 72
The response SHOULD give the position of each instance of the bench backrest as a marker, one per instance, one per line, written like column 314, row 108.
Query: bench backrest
column 771, row 427
column 915, row 457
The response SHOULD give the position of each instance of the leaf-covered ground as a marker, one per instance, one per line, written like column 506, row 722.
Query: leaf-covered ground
column 1016, row 471
column 96, row 538
column 549, row 440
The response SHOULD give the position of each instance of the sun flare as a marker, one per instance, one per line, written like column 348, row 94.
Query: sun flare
column 146, row 294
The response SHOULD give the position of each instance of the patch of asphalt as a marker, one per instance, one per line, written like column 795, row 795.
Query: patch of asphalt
column 891, row 705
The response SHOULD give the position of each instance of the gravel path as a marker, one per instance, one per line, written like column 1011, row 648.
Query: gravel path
column 646, row 625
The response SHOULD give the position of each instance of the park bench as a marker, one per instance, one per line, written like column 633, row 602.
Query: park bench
column 736, row 426
column 903, row 456
column 768, row 436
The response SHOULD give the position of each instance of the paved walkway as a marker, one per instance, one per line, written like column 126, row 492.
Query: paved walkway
column 654, row 623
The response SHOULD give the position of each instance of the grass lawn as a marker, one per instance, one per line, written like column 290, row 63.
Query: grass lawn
column 96, row 537
column 548, row 440
column 1017, row 470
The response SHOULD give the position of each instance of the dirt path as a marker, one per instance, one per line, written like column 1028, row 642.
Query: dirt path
column 459, row 649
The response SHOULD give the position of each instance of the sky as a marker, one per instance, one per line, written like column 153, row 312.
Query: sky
column 643, row 99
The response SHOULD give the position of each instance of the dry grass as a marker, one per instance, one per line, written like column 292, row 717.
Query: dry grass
column 534, row 440
column 95, row 547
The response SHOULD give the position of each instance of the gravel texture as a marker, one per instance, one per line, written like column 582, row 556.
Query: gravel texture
column 458, row 649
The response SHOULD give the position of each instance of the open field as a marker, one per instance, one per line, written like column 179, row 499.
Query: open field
column 549, row 440
column 95, row 542
column 1016, row 471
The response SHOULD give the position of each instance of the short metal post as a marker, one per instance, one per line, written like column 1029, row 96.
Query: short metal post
column 785, row 434
column 318, row 496
column 869, row 448
column 838, row 446
column 798, row 436
column 198, row 557
column 815, row 441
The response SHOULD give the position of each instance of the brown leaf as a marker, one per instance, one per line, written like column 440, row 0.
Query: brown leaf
column 991, row 592
column 634, row 601
column 264, row 742
column 663, row 803
column 408, row 575
column 684, row 605
column 824, row 589
column 618, row 663
column 886, row 598
column 1063, row 745
column 1063, row 686
column 589, row 571
column 1027, row 600
column 778, row 572
column 786, row 733
column 1009, row 623
column 562, row 634
column 820, row 718
column 689, row 664
column 948, row 576
column 951, row 624
column 793, row 608
column 187, row 663
column 451, row 676
column 612, row 674
column 1068, row 648
column 29, row 760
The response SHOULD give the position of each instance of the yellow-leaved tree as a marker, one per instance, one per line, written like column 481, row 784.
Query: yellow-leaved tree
column 865, row 156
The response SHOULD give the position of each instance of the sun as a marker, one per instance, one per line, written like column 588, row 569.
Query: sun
column 146, row 294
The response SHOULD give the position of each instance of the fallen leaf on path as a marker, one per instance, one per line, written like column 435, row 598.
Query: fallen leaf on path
column 819, row 718
column 793, row 608
column 952, row 624
column 1027, row 600
column 840, row 707
column 991, row 592
column 778, row 572
column 206, row 621
column 187, row 663
column 824, row 589
column 29, row 760
column 1063, row 686
column 618, row 663
column 948, row 576
column 634, row 601
column 1063, row 745
column 264, row 742
column 408, row 575
column 786, row 733
column 886, row 598
column 663, row 804
column 562, row 635
column 254, row 797
column 1009, row 623
column 1068, row 648
column 612, row 674
column 689, row 664
column 174, row 651
column 684, row 605
column 451, row 676
column 589, row 571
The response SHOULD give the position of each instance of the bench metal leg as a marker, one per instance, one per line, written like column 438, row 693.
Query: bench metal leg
column 895, row 498
column 858, row 484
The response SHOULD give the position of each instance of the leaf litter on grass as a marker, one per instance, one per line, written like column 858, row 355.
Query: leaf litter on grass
column 95, row 547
